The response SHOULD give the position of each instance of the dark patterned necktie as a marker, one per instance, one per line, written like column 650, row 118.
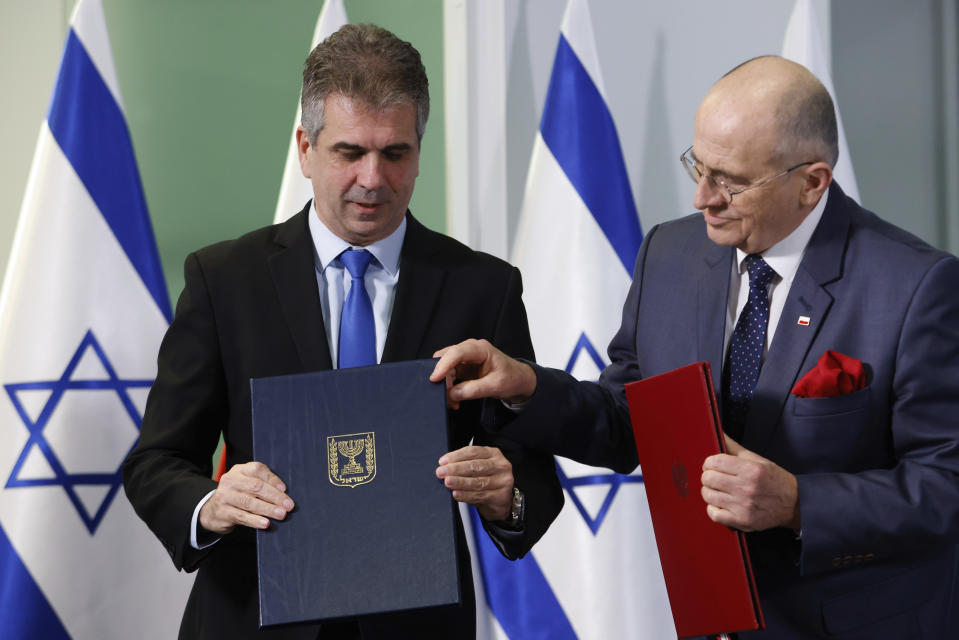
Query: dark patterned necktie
column 357, row 343
column 746, row 347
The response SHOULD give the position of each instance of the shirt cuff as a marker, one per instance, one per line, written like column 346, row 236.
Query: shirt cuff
column 194, row 523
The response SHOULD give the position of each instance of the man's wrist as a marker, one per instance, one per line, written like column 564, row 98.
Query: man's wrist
column 201, row 538
column 527, row 386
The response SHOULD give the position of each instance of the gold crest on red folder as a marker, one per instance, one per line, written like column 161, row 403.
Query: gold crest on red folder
column 352, row 459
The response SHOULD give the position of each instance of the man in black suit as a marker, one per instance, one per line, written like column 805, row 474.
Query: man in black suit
column 270, row 303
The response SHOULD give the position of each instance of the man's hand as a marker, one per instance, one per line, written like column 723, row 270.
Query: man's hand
column 248, row 494
column 486, row 372
column 748, row 492
column 481, row 476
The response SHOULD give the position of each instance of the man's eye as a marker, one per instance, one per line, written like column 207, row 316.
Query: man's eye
column 350, row 155
column 393, row 156
column 733, row 183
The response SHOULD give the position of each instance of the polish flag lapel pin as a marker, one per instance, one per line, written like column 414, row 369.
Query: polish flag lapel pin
column 803, row 321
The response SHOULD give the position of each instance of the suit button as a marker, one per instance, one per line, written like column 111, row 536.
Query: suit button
column 837, row 561
column 846, row 561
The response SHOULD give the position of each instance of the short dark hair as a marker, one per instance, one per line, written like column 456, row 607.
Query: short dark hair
column 367, row 63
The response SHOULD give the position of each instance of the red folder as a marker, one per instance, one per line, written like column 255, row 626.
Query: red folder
column 706, row 565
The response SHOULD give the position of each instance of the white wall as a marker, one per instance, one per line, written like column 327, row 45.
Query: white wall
column 32, row 33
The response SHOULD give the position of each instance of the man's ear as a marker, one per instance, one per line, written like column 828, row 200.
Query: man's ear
column 305, row 151
column 818, row 177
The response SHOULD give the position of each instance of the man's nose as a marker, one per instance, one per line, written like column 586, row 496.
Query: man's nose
column 370, row 171
column 708, row 195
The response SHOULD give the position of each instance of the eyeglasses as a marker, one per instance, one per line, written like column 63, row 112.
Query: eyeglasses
column 719, row 184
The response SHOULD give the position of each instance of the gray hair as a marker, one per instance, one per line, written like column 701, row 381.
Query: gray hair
column 807, row 121
column 805, row 114
column 367, row 63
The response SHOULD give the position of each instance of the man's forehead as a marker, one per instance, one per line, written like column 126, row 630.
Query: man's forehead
column 731, row 137
column 354, row 121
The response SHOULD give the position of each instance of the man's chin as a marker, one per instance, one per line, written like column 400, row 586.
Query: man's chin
column 365, row 229
column 725, row 235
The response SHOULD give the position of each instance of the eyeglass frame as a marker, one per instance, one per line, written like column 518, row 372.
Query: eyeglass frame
column 715, row 182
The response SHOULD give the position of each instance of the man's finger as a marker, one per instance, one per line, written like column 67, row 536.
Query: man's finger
column 472, row 483
column 466, row 352
column 472, row 497
column 722, row 462
column 242, row 487
column 475, row 469
column 733, row 448
column 718, row 498
column 721, row 516
column 469, row 452
column 263, row 472
column 719, row 481
column 487, row 387
column 234, row 516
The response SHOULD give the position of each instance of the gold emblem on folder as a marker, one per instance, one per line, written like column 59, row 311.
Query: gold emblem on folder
column 352, row 459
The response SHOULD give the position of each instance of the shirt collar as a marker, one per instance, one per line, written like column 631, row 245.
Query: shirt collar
column 328, row 246
column 784, row 256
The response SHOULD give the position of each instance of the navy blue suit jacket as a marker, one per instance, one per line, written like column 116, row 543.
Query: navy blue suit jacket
column 878, row 469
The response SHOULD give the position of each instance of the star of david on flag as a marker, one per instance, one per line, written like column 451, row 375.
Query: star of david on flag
column 114, row 438
column 82, row 311
column 585, row 350
column 596, row 572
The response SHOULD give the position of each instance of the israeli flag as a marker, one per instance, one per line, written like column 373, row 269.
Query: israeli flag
column 82, row 311
column 803, row 44
column 596, row 572
column 295, row 189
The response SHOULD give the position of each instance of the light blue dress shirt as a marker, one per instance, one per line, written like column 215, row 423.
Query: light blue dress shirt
column 333, row 280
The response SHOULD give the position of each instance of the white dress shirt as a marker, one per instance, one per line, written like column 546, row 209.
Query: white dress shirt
column 784, row 258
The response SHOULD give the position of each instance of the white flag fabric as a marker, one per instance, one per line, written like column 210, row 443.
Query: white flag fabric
column 295, row 190
column 804, row 45
column 596, row 572
column 82, row 312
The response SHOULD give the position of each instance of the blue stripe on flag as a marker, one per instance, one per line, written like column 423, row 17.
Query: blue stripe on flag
column 26, row 612
column 523, row 604
column 90, row 128
column 579, row 131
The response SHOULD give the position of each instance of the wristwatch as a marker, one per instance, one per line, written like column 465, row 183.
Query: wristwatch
column 517, row 510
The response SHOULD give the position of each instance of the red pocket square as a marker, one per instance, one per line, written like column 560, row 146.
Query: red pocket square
column 834, row 375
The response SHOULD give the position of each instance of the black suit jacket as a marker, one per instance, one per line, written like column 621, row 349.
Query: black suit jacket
column 250, row 308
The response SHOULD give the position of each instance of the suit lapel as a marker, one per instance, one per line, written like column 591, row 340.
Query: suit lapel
column 808, row 296
column 713, row 294
column 294, row 277
column 417, row 293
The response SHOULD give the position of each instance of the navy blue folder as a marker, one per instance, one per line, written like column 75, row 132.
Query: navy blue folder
column 373, row 528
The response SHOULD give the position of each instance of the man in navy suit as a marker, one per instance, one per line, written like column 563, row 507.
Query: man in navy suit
column 851, row 501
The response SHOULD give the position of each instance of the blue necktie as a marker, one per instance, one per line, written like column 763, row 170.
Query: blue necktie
column 746, row 347
column 357, row 330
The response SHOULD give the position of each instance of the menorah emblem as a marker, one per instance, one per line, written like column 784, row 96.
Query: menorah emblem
column 351, row 449
column 343, row 451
